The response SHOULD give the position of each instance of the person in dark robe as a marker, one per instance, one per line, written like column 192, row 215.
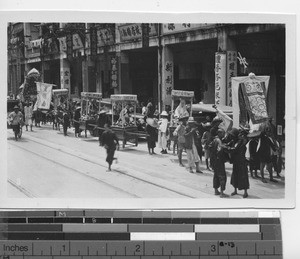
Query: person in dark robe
column 110, row 142
column 66, row 122
column 151, row 130
column 220, row 177
column 254, row 162
column 103, row 119
column 76, row 118
column 237, row 150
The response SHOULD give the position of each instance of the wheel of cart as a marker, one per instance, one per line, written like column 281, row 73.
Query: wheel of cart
column 90, row 107
column 125, row 125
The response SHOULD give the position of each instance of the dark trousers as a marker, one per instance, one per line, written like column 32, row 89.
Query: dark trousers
column 16, row 130
column 110, row 152
column 220, row 177
column 65, row 130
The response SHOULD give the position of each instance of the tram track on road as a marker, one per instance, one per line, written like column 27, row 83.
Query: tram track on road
column 119, row 171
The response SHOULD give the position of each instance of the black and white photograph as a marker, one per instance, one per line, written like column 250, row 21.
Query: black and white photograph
column 180, row 111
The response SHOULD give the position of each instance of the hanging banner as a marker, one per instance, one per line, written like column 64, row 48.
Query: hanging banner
column 62, row 44
column 114, row 72
column 65, row 77
column 256, row 100
column 93, row 39
column 145, row 35
column 44, row 95
column 220, row 78
column 231, row 72
column 69, row 43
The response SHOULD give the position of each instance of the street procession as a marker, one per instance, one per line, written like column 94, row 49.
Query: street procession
column 231, row 139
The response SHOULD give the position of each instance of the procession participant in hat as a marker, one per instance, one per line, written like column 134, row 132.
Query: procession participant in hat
column 77, row 115
column 191, row 150
column 162, row 132
column 179, row 133
column 16, row 120
column 28, row 111
column 206, row 140
column 237, row 149
column 110, row 142
column 151, row 130
column 266, row 146
column 101, row 121
column 220, row 177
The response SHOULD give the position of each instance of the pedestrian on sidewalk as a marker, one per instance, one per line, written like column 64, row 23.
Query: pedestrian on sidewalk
column 110, row 142
column 162, row 132
column 66, row 123
column 266, row 146
column 179, row 133
column 28, row 112
column 237, row 150
column 206, row 140
column 151, row 130
column 16, row 121
column 103, row 119
column 220, row 177
column 77, row 115
column 191, row 150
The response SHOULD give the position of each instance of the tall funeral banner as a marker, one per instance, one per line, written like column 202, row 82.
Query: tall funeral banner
column 220, row 78
column 44, row 96
column 231, row 72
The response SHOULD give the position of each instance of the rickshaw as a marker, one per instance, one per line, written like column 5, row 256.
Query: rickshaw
column 90, row 107
column 60, row 102
column 125, row 125
column 10, row 108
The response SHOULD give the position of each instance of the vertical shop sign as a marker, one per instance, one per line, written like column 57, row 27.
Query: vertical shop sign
column 69, row 42
column 114, row 72
column 93, row 39
column 65, row 77
column 169, row 80
column 145, row 35
column 220, row 78
column 231, row 72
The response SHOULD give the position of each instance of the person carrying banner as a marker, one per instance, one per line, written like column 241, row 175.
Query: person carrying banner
column 110, row 142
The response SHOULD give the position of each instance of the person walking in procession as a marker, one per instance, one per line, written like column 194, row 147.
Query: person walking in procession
column 191, row 150
column 206, row 140
column 151, row 130
column 237, row 150
column 16, row 120
column 162, row 132
column 179, row 133
column 28, row 112
column 220, row 177
column 66, row 123
column 110, row 142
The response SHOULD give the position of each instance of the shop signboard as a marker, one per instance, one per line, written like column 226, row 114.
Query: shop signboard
column 59, row 92
column 62, row 44
column 133, row 31
column 65, row 77
column 169, row 80
column 69, row 43
column 93, row 39
column 77, row 42
column 105, row 37
column 231, row 72
column 145, row 34
column 114, row 72
column 220, row 78
column 170, row 28
column 180, row 93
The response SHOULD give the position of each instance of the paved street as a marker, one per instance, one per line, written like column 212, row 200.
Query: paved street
column 51, row 165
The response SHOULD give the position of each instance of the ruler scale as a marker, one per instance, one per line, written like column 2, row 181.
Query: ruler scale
column 88, row 234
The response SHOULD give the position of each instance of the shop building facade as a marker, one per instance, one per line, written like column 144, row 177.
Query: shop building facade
column 150, row 59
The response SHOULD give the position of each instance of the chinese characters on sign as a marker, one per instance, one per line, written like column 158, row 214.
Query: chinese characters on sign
column 114, row 72
column 93, row 39
column 65, row 77
column 180, row 93
column 231, row 72
column 69, row 43
column 44, row 95
column 169, row 28
column 134, row 31
column 220, row 78
column 169, row 80
column 123, row 97
column 105, row 37
column 145, row 34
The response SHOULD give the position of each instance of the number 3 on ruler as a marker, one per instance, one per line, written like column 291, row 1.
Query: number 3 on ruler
column 213, row 248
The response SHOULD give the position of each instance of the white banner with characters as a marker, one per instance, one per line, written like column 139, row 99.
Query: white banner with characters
column 44, row 96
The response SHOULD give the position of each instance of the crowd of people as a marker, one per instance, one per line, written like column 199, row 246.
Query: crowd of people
column 247, row 151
